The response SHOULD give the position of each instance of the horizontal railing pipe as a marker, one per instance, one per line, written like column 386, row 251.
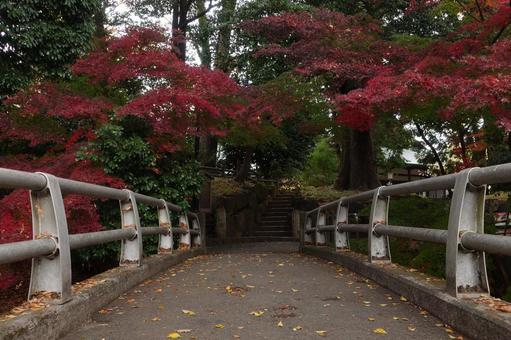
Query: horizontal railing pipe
column 174, row 207
column 154, row 202
column 14, row 179
column 429, row 184
column 69, row 186
column 491, row 174
column 325, row 228
column 26, row 250
column 177, row 230
column 354, row 228
column 419, row 234
column 360, row 197
column 154, row 231
column 77, row 241
column 493, row 244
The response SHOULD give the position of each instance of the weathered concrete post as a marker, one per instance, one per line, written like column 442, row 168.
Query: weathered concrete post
column 342, row 240
column 52, row 273
column 166, row 241
column 131, row 249
column 379, row 249
column 465, row 270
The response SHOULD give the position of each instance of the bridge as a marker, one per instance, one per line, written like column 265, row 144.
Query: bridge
column 316, row 287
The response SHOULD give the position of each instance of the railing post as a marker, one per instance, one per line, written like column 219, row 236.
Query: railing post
column 52, row 273
column 131, row 249
column 307, row 237
column 342, row 240
column 378, row 245
column 184, row 239
column 465, row 270
column 320, row 236
column 166, row 241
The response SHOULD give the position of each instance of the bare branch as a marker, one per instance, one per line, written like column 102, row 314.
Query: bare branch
column 202, row 13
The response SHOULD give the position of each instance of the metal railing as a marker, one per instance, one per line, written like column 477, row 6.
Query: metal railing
column 50, row 248
column 465, row 240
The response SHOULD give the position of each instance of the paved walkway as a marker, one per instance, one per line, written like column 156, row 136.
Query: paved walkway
column 254, row 293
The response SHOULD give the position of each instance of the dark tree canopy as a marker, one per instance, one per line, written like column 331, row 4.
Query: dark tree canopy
column 40, row 38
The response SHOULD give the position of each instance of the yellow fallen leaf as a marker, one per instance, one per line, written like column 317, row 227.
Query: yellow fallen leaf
column 188, row 312
column 412, row 328
column 219, row 325
column 155, row 319
column 297, row 328
column 371, row 319
column 257, row 313
column 321, row 333
column 174, row 335
column 383, row 304
column 379, row 331
column 280, row 324
column 294, row 290
column 402, row 298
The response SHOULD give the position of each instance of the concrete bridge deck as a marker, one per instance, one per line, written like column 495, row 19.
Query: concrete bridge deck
column 263, row 291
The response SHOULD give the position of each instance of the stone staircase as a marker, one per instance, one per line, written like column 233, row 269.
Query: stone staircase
column 276, row 219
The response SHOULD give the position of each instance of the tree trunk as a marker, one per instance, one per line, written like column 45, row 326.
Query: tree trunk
column 203, row 41
column 208, row 150
column 358, row 166
column 224, row 35
column 244, row 168
column 431, row 148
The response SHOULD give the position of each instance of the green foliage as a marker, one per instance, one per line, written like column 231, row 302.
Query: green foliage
column 416, row 211
column 40, row 38
column 121, row 150
column 225, row 187
column 322, row 165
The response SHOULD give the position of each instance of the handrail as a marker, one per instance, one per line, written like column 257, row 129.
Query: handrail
column 464, row 237
column 51, row 244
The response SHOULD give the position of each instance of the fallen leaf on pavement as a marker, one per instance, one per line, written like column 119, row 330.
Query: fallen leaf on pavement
column 188, row 312
column 257, row 313
column 379, row 331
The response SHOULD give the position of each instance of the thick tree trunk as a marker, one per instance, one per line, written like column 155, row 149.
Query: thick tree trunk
column 358, row 166
column 208, row 150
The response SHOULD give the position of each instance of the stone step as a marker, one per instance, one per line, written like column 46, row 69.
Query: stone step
column 274, row 223
column 273, row 232
column 273, row 228
column 274, row 208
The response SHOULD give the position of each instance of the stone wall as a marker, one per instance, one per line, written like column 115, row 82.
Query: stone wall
column 237, row 215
